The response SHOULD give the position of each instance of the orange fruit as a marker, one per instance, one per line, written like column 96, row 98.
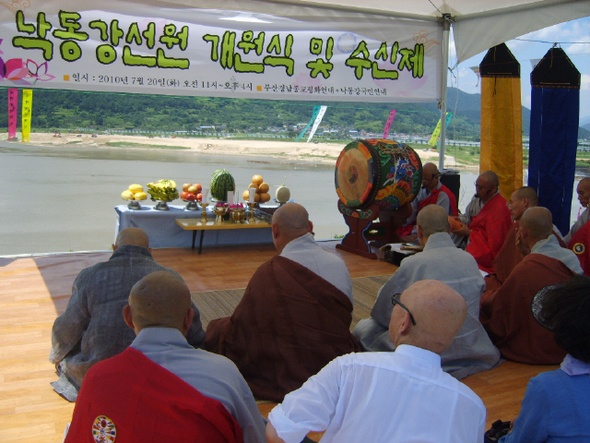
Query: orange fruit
column 257, row 179
column 256, row 198
column 253, row 185
column 245, row 195
column 264, row 197
column 263, row 187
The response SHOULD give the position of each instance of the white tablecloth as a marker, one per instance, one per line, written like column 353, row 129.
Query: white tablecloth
column 163, row 231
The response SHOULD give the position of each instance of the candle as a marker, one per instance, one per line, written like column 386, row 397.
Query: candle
column 251, row 194
column 230, row 197
column 205, row 194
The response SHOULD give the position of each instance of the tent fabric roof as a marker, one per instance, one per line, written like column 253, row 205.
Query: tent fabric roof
column 477, row 24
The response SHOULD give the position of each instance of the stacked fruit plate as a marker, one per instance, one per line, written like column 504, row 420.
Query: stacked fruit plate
column 192, row 193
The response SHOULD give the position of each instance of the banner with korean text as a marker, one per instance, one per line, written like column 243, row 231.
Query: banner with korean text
column 12, row 112
column 117, row 46
column 27, row 113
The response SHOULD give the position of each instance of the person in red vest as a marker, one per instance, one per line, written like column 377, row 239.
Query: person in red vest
column 578, row 239
column 487, row 230
column 161, row 388
column 433, row 192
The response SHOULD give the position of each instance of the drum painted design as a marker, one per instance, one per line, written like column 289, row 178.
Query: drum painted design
column 381, row 171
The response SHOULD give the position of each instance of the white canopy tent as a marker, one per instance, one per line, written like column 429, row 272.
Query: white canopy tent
column 418, row 31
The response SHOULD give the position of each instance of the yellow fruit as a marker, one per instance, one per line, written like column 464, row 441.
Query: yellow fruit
column 127, row 195
column 140, row 196
column 245, row 195
column 135, row 188
column 264, row 197
column 257, row 179
column 283, row 194
column 263, row 187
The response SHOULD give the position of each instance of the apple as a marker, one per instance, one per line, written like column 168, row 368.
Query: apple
column 199, row 187
column 191, row 197
column 186, row 186
column 199, row 197
column 192, row 189
column 184, row 195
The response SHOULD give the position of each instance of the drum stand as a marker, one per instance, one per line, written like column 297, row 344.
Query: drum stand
column 363, row 231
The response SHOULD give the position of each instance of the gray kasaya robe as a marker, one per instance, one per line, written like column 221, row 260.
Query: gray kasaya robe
column 472, row 350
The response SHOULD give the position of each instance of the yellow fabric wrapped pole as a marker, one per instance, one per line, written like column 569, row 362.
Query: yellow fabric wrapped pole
column 501, row 119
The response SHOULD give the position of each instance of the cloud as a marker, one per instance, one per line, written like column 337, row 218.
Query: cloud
column 585, row 83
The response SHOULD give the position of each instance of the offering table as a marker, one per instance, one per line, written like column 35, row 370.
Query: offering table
column 198, row 224
column 164, row 232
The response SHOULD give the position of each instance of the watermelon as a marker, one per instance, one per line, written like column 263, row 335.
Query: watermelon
column 222, row 182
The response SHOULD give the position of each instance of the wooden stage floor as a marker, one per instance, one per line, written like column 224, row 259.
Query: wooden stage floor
column 35, row 290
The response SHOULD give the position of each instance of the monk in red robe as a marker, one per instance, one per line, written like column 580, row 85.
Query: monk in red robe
column 487, row 230
column 160, row 388
column 433, row 192
column 510, row 255
column 506, row 312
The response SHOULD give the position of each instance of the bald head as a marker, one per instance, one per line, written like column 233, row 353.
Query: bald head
column 438, row 310
column 490, row 177
column 289, row 222
column 132, row 236
column 429, row 176
column 431, row 219
column 486, row 185
column 160, row 299
column 522, row 199
column 538, row 223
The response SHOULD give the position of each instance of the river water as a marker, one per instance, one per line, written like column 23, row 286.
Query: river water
column 62, row 199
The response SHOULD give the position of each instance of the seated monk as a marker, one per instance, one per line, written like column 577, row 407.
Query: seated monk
column 487, row 230
column 294, row 316
column 161, row 389
column 433, row 192
column 506, row 312
column 578, row 239
column 509, row 256
column 471, row 350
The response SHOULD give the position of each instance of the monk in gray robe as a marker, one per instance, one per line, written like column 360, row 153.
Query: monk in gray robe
column 472, row 350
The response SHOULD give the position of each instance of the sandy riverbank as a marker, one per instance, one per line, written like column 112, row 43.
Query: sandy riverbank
column 299, row 151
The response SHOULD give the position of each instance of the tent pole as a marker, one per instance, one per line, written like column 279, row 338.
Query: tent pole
column 443, row 101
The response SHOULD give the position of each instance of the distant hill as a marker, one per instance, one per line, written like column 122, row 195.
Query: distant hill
column 99, row 111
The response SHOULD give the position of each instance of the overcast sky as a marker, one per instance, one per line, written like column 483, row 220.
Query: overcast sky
column 573, row 37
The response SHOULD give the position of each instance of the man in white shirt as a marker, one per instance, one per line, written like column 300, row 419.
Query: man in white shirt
column 399, row 396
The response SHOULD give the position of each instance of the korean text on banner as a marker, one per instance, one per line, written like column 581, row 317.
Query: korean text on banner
column 206, row 52
column 27, row 111
column 12, row 112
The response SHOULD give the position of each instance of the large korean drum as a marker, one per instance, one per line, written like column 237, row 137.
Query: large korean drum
column 381, row 171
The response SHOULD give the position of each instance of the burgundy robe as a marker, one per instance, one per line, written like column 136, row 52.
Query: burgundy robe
column 129, row 398
column 508, row 258
column 506, row 312
column 488, row 232
column 289, row 325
